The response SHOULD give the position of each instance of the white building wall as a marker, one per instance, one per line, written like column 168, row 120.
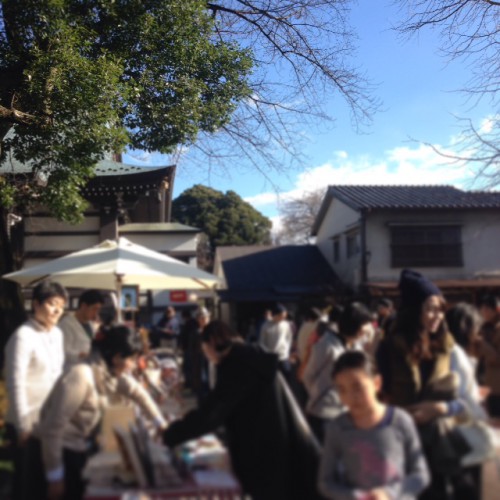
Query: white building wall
column 339, row 220
column 63, row 243
column 41, row 236
column 165, row 242
column 480, row 242
column 41, row 224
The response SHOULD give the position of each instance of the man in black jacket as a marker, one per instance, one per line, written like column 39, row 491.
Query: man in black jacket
column 272, row 450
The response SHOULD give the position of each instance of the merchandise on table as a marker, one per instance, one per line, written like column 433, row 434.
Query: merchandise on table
column 131, row 462
column 138, row 461
column 206, row 452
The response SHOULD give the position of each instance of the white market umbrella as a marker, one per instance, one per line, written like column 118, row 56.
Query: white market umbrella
column 114, row 264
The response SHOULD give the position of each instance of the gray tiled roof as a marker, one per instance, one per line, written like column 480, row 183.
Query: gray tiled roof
column 359, row 197
column 364, row 197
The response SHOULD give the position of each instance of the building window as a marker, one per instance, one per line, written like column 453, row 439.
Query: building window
column 352, row 244
column 336, row 249
column 426, row 246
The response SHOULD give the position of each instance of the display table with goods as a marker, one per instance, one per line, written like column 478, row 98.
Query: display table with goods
column 133, row 464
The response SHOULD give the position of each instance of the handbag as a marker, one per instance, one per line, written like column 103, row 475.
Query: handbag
column 481, row 440
column 444, row 446
column 464, row 444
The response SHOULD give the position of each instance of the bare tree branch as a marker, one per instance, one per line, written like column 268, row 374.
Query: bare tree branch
column 470, row 31
column 297, row 217
column 303, row 50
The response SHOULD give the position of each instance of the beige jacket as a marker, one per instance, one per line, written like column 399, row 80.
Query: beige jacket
column 75, row 405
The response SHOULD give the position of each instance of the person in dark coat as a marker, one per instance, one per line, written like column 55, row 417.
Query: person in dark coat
column 273, row 452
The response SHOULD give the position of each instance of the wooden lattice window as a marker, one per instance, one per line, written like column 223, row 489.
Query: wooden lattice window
column 426, row 246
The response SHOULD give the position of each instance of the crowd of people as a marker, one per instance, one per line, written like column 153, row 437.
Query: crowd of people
column 434, row 365
column 351, row 404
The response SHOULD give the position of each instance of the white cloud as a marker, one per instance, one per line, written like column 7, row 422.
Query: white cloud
column 277, row 223
column 138, row 157
column 418, row 164
column 488, row 124
column 263, row 199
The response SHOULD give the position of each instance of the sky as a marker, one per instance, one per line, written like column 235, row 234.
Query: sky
column 419, row 104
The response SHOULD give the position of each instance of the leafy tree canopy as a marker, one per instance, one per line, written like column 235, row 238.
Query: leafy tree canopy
column 79, row 78
column 224, row 217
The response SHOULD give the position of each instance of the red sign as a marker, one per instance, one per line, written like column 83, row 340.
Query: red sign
column 178, row 296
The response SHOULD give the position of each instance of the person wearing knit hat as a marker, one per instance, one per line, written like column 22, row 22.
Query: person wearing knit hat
column 427, row 373
column 415, row 288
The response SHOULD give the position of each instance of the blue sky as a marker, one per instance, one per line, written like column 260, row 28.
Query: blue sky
column 416, row 86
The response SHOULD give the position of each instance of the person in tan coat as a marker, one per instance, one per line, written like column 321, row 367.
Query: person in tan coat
column 74, row 408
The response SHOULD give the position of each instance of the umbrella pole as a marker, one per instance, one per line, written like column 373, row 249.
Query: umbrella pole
column 119, row 317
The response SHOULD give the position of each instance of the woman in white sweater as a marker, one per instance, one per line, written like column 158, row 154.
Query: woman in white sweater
column 34, row 358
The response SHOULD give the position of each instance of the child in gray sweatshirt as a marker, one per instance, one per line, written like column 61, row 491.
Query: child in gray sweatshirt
column 372, row 451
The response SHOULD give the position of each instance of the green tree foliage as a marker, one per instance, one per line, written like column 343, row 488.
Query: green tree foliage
column 82, row 77
column 79, row 78
column 224, row 217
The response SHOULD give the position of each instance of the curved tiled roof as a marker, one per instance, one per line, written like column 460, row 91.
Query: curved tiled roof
column 103, row 168
column 129, row 183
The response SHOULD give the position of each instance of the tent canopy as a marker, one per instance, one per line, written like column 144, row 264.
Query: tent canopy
column 113, row 264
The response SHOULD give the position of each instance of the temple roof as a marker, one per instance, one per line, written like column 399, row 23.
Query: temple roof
column 111, row 178
column 104, row 168
column 118, row 180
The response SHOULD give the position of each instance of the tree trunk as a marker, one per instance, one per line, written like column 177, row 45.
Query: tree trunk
column 12, row 312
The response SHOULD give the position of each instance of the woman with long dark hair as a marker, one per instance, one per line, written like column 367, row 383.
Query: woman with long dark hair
column 425, row 371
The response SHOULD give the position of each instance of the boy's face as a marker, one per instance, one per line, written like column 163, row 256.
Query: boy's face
column 357, row 390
